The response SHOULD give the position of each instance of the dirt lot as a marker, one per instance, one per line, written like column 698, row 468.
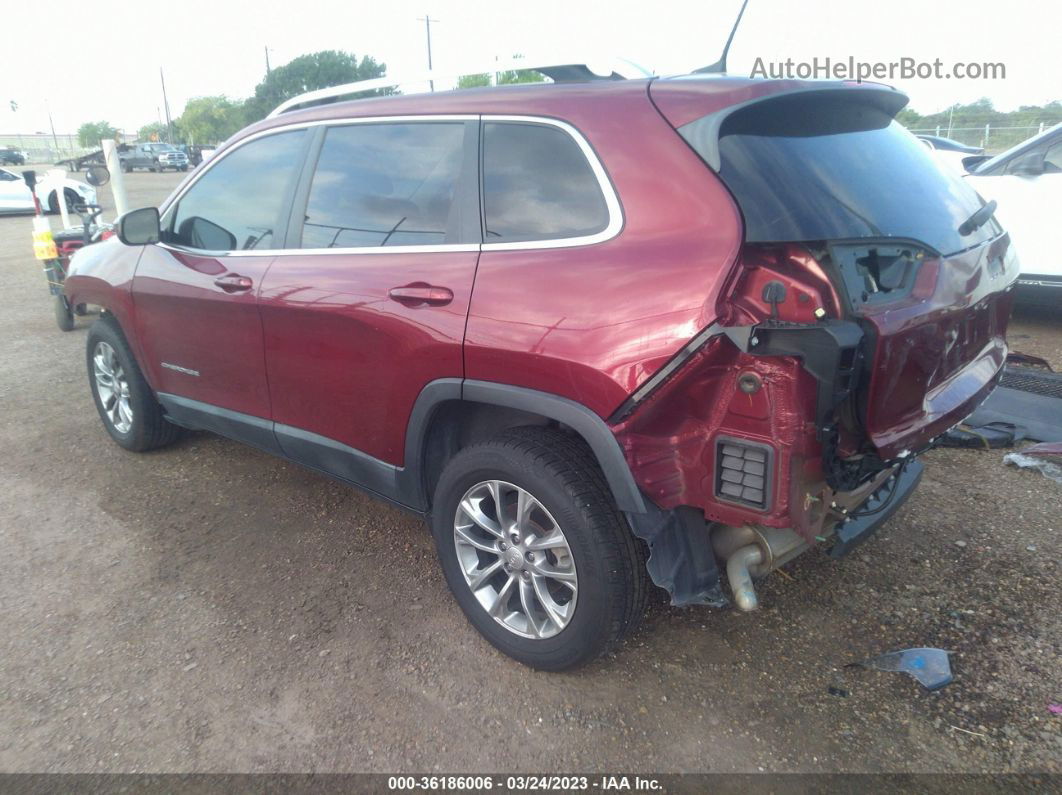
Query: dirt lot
column 209, row 608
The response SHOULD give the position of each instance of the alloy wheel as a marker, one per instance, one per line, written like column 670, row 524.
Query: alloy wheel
column 112, row 386
column 515, row 559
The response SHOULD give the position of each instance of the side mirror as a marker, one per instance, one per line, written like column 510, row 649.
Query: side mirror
column 1030, row 165
column 139, row 227
column 971, row 163
column 97, row 176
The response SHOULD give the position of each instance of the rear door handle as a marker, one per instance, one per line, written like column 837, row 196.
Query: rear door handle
column 234, row 283
column 419, row 293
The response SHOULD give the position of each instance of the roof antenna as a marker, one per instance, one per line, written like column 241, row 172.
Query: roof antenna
column 719, row 67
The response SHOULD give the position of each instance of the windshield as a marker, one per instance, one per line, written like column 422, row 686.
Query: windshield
column 832, row 168
column 160, row 148
column 991, row 164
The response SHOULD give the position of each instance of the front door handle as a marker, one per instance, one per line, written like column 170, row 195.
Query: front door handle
column 234, row 283
column 420, row 293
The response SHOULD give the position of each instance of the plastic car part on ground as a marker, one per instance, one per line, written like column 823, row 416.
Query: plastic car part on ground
column 984, row 437
column 1029, row 397
column 1034, row 457
column 929, row 666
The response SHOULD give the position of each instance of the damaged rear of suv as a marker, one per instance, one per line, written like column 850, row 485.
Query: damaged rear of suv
column 865, row 317
column 594, row 332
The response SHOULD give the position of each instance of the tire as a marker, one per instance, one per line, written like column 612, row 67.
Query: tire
column 53, row 201
column 64, row 318
column 143, row 426
column 184, row 168
column 596, row 549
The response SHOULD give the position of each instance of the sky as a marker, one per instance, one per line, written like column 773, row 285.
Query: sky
column 109, row 69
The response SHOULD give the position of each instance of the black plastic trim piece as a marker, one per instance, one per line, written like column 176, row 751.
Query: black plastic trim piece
column 681, row 559
column 853, row 532
column 577, row 417
column 821, row 349
column 199, row 416
column 410, row 478
column 301, row 194
column 327, row 456
column 338, row 460
column 404, row 485
column 664, row 373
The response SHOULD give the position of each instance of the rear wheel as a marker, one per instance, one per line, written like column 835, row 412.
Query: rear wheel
column 64, row 318
column 535, row 550
column 125, row 402
column 72, row 200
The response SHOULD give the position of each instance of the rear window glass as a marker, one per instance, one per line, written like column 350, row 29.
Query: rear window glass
column 806, row 169
column 537, row 185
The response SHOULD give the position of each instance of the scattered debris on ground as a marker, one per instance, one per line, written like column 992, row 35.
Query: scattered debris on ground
column 929, row 666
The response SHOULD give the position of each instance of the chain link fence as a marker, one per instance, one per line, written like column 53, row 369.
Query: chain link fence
column 43, row 148
column 989, row 137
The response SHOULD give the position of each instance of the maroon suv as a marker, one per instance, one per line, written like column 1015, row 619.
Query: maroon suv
column 595, row 333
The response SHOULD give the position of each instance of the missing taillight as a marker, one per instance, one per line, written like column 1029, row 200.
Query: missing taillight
column 780, row 282
column 878, row 272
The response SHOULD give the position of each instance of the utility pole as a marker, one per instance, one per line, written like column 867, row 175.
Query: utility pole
column 427, row 25
column 267, row 60
column 55, row 139
column 166, row 105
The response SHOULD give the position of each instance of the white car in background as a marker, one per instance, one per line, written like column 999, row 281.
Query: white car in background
column 950, row 152
column 15, row 196
column 1026, row 182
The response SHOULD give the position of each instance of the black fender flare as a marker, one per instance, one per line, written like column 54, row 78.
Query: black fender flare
column 593, row 430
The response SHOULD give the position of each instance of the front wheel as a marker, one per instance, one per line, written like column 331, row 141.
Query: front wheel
column 535, row 551
column 125, row 402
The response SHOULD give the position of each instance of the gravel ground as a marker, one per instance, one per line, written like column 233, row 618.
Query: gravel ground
column 210, row 608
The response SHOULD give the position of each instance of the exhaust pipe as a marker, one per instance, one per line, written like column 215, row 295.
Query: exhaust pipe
column 753, row 552
column 737, row 571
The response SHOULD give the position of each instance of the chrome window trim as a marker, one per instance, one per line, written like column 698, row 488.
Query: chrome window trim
column 615, row 210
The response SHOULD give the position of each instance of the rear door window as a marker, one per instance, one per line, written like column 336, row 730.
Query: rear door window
column 386, row 184
column 538, row 185
column 814, row 169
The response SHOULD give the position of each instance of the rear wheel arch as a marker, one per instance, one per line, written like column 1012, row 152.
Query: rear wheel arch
column 451, row 414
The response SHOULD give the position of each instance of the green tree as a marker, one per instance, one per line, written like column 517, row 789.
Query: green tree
column 152, row 128
column 309, row 73
column 210, row 120
column 91, row 133
column 502, row 78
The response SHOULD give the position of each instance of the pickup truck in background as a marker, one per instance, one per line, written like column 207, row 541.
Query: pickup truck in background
column 14, row 157
column 152, row 156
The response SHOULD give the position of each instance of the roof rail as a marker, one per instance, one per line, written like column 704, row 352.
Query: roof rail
column 558, row 71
